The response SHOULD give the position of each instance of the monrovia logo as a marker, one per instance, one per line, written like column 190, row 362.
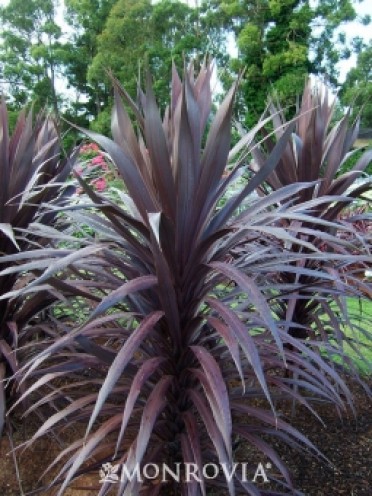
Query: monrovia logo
column 183, row 472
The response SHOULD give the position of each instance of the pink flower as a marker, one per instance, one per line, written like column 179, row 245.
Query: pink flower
column 89, row 148
column 83, row 149
column 100, row 184
column 99, row 160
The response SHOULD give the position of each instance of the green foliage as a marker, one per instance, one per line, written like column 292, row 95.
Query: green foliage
column 87, row 18
column 350, row 162
column 357, row 89
column 280, row 42
column 123, row 42
column 139, row 34
column 273, row 39
column 360, row 311
column 30, row 52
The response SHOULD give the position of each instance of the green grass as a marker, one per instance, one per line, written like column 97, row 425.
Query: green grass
column 360, row 311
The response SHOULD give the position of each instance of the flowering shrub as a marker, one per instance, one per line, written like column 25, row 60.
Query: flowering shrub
column 100, row 184
column 89, row 150
column 94, row 167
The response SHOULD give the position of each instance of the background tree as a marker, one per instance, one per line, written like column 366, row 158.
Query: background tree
column 275, row 51
column 31, row 51
column 87, row 19
column 357, row 89
column 138, row 33
column 180, row 33
column 280, row 42
column 121, row 47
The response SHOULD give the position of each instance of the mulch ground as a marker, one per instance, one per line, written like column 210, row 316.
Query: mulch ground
column 346, row 443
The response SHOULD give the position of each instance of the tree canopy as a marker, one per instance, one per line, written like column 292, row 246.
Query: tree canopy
column 278, row 42
column 357, row 89
column 31, row 51
column 281, row 42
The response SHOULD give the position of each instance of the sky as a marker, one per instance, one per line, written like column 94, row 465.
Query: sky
column 351, row 29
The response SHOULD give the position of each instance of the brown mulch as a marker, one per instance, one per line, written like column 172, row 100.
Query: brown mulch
column 346, row 443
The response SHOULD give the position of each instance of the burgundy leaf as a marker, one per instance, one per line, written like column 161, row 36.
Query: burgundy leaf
column 144, row 372
column 117, row 296
column 121, row 360
column 213, row 432
column 217, row 384
column 245, row 340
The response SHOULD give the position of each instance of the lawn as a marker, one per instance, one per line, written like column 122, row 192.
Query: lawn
column 360, row 311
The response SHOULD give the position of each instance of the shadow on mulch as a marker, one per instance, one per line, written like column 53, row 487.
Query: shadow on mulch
column 346, row 443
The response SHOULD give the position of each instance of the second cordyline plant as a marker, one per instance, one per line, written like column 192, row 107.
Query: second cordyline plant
column 317, row 152
column 180, row 359
column 33, row 174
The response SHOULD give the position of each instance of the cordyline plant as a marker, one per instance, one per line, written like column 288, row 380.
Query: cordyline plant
column 31, row 174
column 316, row 154
column 180, row 359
